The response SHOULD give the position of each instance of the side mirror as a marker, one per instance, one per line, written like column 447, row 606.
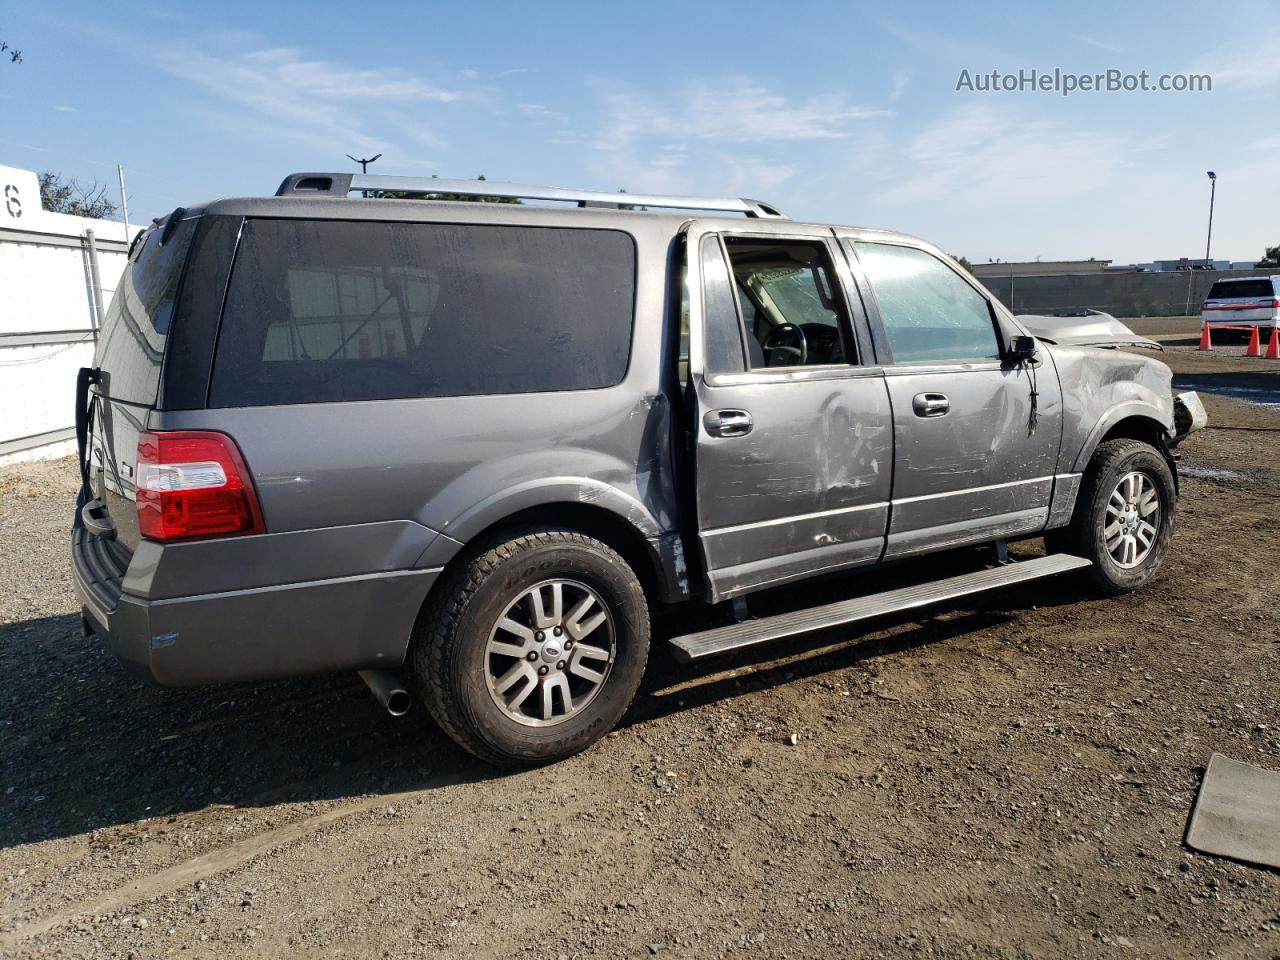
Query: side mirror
column 1022, row 349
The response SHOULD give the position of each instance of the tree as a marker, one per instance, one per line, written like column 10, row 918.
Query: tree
column 964, row 262
column 59, row 194
column 15, row 55
column 1271, row 258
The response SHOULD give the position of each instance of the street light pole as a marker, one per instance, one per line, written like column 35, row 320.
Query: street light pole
column 1191, row 273
column 1213, row 188
column 364, row 168
column 364, row 164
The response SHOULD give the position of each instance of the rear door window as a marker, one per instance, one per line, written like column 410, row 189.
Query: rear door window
column 1234, row 289
column 339, row 310
column 930, row 314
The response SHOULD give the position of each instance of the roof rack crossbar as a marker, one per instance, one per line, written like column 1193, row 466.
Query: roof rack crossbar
column 341, row 184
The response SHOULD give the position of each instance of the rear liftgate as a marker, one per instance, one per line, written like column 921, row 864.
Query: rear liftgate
column 709, row 643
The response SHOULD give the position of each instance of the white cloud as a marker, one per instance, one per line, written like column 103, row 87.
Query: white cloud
column 62, row 108
column 1101, row 44
column 317, row 102
column 945, row 47
column 998, row 180
column 733, row 110
column 983, row 150
column 711, row 135
column 1247, row 63
column 901, row 80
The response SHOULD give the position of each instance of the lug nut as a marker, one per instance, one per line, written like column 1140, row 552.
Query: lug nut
column 568, row 644
column 542, row 670
column 557, row 631
column 532, row 655
column 560, row 665
column 539, row 636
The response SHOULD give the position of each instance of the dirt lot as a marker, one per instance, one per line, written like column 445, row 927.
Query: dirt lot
column 1009, row 778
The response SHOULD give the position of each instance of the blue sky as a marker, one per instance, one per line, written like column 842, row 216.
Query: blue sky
column 838, row 112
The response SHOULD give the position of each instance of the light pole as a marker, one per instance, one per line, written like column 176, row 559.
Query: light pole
column 1191, row 273
column 364, row 164
column 364, row 168
column 1213, row 188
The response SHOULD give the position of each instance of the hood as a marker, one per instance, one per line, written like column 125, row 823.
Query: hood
column 1089, row 328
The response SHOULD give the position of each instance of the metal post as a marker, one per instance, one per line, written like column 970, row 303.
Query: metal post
column 1191, row 273
column 124, row 202
column 364, row 168
column 93, row 279
column 1213, row 189
column 1011, row 287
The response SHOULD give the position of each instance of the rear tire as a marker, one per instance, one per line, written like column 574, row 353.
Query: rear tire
column 533, row 649
column 1124, row 516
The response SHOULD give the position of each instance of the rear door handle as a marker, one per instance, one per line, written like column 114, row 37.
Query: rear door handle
column 727, row 423
column 930, row 404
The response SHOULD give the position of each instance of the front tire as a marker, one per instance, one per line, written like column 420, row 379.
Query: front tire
column 533, row 649
column 1124, row 516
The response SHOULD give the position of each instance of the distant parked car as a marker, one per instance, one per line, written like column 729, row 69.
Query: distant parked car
column 1247, row 302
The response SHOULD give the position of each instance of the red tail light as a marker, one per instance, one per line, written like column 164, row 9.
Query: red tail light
column 193, row 484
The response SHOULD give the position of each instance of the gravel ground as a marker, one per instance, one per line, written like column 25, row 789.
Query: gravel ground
column 1009, row 778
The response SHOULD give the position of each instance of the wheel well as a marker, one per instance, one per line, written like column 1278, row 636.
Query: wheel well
column 1137, row 428
column 604, row 525
column 1148, row 431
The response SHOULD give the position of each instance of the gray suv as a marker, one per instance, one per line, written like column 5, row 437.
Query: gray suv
column 474, row 444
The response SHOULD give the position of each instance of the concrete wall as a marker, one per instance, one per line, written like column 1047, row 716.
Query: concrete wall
column 48, row 320
column 1120, row 294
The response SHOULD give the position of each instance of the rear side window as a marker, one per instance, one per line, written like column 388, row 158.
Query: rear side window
column 338, row 310
column 1229, row 289
column 134, row 330
column 930, row 314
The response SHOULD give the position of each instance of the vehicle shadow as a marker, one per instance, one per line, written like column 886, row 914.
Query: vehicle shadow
column 839, row 648
column 87, row 744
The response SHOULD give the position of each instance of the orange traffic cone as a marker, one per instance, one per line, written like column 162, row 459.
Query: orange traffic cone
column 1273, row 348
column 1205, row 342
column 1255, row 348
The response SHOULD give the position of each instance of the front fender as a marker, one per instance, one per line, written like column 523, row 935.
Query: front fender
column 1102, row 388
column 1117, row 414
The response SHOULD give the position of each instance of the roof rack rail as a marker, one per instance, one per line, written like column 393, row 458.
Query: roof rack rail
column 341, row 184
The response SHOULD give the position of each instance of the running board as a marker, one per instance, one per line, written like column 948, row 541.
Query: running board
column 736, row 636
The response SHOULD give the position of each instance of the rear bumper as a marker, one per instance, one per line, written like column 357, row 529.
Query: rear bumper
column 1244, row 318
column 340, row 623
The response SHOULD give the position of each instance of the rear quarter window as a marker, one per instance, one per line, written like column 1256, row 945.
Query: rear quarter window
column 136, row 326
column 322, row 311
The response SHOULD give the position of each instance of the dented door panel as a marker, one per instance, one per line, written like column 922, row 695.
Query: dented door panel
column 983, row 470
column 806, row 490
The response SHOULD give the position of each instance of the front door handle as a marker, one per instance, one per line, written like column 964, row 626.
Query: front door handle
column 930, row 404
column 727, row 423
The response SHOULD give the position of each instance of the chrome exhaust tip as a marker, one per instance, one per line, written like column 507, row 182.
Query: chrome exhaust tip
column 388, row 691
